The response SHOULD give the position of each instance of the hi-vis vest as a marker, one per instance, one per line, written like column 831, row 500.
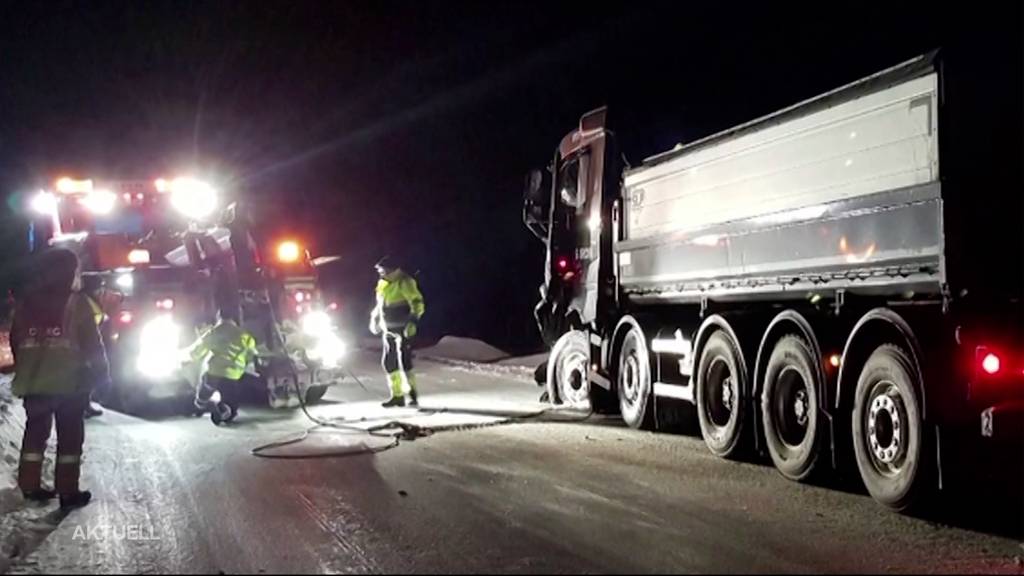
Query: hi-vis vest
column 49, row 358
column 227, row 348
column 399, row 300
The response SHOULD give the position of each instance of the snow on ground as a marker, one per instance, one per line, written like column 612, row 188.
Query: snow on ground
column 12, row 426
column 478, row 356
column 464, row 349
column 472, row 355
column 22, row 526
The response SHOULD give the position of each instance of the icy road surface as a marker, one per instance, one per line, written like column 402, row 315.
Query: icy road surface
column 178, row 495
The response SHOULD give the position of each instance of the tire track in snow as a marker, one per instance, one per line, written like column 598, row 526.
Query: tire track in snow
column 358, row 560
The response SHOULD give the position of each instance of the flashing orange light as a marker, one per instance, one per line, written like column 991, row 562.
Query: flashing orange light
column 288, row 252
column 138, row 257
column 71, row 186
column 834, row 360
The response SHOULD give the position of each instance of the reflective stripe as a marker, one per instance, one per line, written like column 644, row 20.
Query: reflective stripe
column 673, row 391
column 31, row 457
column 69, row 459
column 97, row 311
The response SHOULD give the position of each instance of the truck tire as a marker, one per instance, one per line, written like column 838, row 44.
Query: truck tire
column 633, row 381
column 569, row 371
column 789, row 408
column 720, row 395
column 315, row 393
column 888, row 436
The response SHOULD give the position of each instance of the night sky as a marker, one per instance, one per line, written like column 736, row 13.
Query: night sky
column 370, row 128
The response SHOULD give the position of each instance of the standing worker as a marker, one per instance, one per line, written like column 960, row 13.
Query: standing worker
column 226, row 351
column 58, row 356
column 399, row 308
column 92, row 288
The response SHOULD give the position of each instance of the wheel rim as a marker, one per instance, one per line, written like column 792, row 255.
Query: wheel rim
column 720, row 405
column 573, row 383
column 792, row 407
column 885, row 428
column 633, row 379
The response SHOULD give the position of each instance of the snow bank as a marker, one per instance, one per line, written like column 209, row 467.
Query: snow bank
column 464, row 349
column 477, row 356
column 12, row 426
column 530, row 362
column 472, row 355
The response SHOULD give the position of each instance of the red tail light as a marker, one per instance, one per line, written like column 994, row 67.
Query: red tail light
column 563, row 263
column 333, row 306
column 991, row 364
column 125, row 317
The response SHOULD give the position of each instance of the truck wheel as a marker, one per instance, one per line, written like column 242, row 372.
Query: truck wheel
column 569, row 371
column 634, row 381
column 888, row 439
column 720, row 399
column 789, row 408
column 315, row 393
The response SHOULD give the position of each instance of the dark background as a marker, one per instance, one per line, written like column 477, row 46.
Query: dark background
column 372, row 128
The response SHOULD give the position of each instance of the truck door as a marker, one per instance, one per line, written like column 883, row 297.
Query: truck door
column 576, row 234
column 573, row 221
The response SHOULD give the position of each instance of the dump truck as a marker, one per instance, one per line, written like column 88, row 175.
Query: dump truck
column 162, row 257
column 837, row 281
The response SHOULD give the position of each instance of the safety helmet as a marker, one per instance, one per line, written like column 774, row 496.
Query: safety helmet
column 385, row 265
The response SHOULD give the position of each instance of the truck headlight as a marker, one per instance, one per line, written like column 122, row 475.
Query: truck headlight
column 158, row 347
column 316, row 323
column 328, row 348
column 193, row 198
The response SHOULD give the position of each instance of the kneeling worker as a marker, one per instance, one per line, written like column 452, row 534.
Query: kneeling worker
column 226, row 350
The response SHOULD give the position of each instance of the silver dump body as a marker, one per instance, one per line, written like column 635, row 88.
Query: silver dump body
column 839, row 192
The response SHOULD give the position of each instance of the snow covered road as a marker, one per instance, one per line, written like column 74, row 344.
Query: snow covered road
column 179, row 495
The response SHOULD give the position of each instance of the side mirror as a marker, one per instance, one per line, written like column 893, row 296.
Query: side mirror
column 536, row 205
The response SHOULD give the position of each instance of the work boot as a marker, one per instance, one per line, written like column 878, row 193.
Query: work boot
column 30, row 474
column 39, row 495
column 220, row 413
column 65, row 478
column 414, row 399
column 93, row 410
column 395, row 402
column 75, row 499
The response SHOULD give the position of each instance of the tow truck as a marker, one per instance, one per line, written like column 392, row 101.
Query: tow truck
column 166, row 256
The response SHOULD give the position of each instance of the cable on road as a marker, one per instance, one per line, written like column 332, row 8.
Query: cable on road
column 407, row 432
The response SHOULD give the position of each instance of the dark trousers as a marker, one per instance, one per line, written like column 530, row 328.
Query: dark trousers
column 392, row 353
column 228, row 391
column 41, row 412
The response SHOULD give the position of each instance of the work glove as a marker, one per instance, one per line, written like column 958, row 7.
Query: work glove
column 375, row 327
column 410, row 330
